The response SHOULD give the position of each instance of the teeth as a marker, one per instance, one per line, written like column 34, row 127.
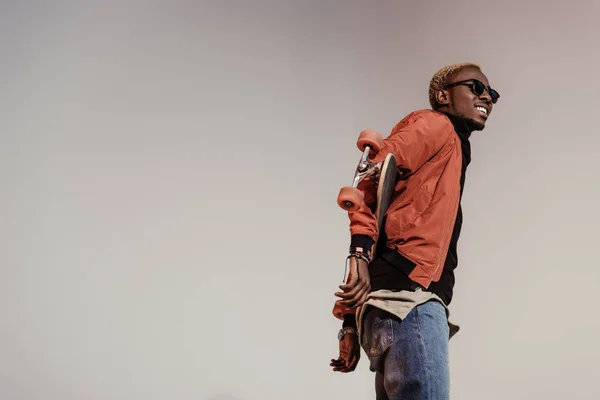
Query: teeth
column 483, row 110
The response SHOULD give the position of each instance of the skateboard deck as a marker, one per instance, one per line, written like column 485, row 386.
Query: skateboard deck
column 383, row 175
column 385, row 189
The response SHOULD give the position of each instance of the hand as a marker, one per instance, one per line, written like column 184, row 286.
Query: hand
column 358, row 285
column 349, row 354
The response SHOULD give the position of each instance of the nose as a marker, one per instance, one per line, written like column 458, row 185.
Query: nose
column 486, row 97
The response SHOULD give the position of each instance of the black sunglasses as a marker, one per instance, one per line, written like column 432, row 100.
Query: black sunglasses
column 477, row 87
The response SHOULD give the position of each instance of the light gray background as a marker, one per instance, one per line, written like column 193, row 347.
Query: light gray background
column 169, row 173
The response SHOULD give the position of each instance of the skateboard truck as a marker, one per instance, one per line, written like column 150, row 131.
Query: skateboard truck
column 369, row 142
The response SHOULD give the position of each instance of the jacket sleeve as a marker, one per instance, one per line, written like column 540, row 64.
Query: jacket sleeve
column 413, row 141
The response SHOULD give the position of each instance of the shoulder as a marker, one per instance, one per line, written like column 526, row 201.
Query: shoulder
column 426, row 121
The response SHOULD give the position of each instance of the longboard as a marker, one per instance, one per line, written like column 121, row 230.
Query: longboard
column 383, row 175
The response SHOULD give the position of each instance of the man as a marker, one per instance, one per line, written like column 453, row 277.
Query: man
column 398, row 302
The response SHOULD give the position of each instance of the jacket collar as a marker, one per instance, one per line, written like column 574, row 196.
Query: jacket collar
column 464, row 133
column 460, row 126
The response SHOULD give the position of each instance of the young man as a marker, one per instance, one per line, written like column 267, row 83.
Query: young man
column 398, row 302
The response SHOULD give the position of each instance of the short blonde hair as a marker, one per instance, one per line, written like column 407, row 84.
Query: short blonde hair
column 442, row 77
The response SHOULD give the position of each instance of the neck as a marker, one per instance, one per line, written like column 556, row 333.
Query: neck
column 461, row 126
column 463, row 130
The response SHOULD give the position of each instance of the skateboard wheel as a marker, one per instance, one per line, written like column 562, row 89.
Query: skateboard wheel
column 350, row 198
column 370, row 138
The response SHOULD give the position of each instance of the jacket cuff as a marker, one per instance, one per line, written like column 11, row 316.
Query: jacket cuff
column 349, row 321
column 363, row 241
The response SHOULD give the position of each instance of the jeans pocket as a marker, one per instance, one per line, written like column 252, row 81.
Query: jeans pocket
column 378, row 333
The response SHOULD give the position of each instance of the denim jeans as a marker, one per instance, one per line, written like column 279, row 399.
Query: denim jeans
column 409, row 357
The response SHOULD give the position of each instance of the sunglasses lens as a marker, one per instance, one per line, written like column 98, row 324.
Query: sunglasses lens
column 494, row 95
column 478, row 88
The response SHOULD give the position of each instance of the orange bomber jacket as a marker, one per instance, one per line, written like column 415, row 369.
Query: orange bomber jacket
column 423, row 209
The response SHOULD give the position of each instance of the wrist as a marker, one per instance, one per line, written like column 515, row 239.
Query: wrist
column 361, row 253
column 360, row 247
column 349, row 321
column 347, row 331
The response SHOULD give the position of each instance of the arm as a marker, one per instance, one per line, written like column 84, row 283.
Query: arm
column 413, row 141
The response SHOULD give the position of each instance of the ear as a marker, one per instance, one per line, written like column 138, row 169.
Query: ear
column 442, row 97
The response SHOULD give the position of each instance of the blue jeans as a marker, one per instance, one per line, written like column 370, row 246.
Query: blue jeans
column 409, row 357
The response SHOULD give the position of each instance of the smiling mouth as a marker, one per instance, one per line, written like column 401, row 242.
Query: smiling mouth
column 482, row 110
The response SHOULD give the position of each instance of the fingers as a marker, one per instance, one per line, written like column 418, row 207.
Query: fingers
column 350, row 292
column 358, row 299
column 355, row 297
column 345, row 365
column 338, row 365
column 363, row 298
column 355, row 301
column 354, row 291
